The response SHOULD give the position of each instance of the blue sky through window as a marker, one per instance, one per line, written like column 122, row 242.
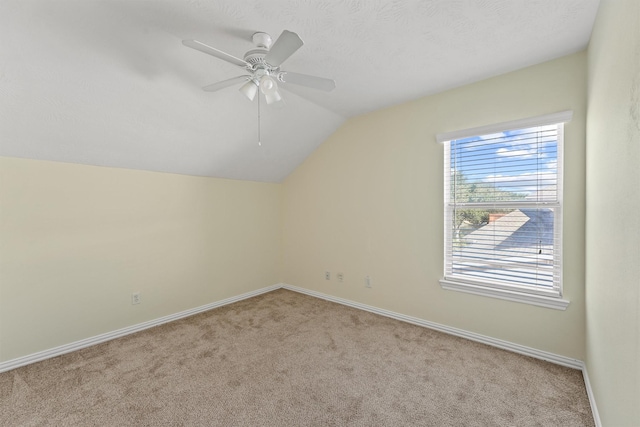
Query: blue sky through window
column 520, row 161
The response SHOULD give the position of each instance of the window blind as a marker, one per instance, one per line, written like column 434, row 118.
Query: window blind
column 503, row 194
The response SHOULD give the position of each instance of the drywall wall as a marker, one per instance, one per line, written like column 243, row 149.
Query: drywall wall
column 369, row 201
column 78, row 240
column 613, row 206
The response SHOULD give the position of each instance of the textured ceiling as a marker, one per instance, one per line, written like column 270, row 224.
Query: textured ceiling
column 107, row 82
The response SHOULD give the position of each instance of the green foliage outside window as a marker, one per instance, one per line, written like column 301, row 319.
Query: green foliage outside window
column 466, row 191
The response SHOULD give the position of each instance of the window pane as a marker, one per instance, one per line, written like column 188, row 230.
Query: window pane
column 514, row 246
column 506, row 166
column 503, row 210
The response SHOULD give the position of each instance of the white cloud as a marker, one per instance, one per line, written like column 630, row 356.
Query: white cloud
column 526, row 153
column 482, row 140
column 528, row 176
column 526, row 183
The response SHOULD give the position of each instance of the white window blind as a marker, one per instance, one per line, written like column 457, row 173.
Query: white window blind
column 503, row 208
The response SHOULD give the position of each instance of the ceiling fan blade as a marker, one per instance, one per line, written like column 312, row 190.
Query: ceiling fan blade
column 225, row 83
column 313, row 82
column 283, row 48
column 195, row 44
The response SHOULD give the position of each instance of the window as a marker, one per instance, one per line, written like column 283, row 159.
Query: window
column 503, row 210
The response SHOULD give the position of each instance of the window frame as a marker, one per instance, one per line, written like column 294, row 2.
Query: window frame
column 518, row 293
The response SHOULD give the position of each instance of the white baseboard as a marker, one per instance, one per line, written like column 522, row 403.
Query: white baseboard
column 592, row 399
column 77, row 345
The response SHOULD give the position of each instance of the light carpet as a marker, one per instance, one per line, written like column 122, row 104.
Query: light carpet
column 287, row 359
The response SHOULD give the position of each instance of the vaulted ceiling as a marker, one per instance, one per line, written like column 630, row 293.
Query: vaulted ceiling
column 108, row 82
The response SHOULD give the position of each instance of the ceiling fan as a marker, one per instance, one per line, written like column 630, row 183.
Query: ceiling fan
column 262, row 65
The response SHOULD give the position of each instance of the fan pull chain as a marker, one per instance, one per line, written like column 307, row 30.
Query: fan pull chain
column 259, row 141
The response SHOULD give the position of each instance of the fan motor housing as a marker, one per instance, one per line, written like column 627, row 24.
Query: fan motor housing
column 256, row 56
column 261, row 39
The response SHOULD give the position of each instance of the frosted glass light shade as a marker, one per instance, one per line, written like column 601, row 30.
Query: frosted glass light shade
column 269, row 88
column 272, row 97
column 268, row 85
column 249, row 89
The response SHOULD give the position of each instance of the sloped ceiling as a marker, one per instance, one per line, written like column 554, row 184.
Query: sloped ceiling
column 108, row 82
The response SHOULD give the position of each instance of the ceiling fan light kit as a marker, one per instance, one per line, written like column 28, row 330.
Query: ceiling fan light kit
column 263, row 65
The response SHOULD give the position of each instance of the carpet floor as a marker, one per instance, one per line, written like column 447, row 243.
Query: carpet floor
column 287, row 359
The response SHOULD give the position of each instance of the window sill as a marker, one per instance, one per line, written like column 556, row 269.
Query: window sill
column 539, row 300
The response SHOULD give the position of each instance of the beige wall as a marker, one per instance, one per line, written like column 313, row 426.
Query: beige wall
column 613, row 208
column 369, row 201
column 78, row 240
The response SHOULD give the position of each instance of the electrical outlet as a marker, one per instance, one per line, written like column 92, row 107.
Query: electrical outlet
column 340, row 277
column 367, row 282
column 135, row 298
column 327, row 275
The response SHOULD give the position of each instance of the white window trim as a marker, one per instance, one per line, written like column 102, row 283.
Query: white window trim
column 509, row 295
column 548, row 119
column 533, row 298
